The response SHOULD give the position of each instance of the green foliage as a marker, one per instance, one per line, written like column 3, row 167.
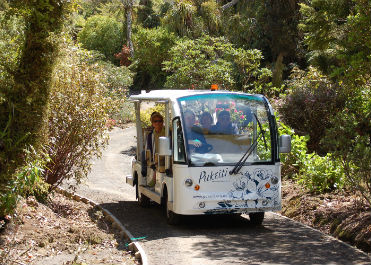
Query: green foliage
column 209, row 60
column 151, row 50
column 313, row 100
column 80, row 107
column 293, row 161
column 211, row 14
column 269, row 26
column 126, row 112
column 118, row 79
column 25, row 78
column 11, row 42
column 103, row 34
column 350, row 141
column 316, row 173
column 248, row 74
column 181, row 19
column 28, row 181
column 321, row 174
column 337, row 32
column 200, row 63
column 146, row 14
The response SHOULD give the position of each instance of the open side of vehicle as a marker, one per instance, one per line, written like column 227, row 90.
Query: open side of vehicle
column 231, row 166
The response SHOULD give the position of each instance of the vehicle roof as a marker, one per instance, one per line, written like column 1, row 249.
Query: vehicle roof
column 173, row 94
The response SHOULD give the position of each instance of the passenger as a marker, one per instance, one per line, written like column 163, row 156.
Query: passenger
column 193, row 133
column 206, row 121
column 152, row 142
column 224, row 124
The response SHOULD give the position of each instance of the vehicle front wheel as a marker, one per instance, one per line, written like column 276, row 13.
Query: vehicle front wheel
column 171, row 217
column 256, row 218
column 143, row 200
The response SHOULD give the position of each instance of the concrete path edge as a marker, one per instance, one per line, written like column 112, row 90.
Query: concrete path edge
column 134, row 246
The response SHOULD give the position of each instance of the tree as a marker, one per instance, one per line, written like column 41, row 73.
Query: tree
column 146, row 16
column 270, row 26
column 24, row 105
column 152, row 49
column 129, row 13
column 182, row 19
column 337, row 33
column 208, row 60
column 103, row 34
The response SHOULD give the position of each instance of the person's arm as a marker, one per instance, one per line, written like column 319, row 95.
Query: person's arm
column 197, row 138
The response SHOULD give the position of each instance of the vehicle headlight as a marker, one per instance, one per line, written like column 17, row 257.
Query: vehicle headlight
column 274, row 180
column 188, row 182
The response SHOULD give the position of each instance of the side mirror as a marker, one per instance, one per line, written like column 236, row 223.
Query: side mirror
column 285, row 143
column 164, row 146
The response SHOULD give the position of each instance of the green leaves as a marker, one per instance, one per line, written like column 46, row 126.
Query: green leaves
column 316, row 173
column 338, row 34
column 152, row 48
column 82, row 98
column 103, row 34
column 27, row 181
column 207, row 60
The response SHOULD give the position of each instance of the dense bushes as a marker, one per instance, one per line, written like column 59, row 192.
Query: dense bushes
column 28, row 181
column 350, row 141
column 207, row 60
column 151, row 50
column 310, row 105
column 317, row 173
column 80, row 105
column 25, row 82
column 103, row 34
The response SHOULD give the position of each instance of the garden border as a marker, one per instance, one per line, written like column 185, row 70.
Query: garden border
column 134, row 246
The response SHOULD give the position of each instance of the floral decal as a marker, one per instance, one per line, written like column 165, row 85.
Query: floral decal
column 252, row 191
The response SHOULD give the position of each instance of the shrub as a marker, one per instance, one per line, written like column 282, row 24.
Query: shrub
column 321, row 173
column 181, row 19
column 151, row 50
column 211, row 14
column 292, row 162
column 127, row 112
column 310, row 104
column 201, row 62
column 79, row 109
column 28, row 181
column 350, row 141
column 316, row 173
column 103, row 34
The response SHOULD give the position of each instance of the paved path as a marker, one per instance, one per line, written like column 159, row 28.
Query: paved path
column 206, row 239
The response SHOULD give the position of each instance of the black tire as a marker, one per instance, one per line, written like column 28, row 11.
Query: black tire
column 171, row 217
column 256, row 218
column 143, row 200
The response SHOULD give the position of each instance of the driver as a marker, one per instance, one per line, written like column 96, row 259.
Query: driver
column 195, row 138
column 224, row 124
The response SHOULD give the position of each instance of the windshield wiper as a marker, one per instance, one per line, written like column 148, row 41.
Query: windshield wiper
column 246, row 155
column 262, row 132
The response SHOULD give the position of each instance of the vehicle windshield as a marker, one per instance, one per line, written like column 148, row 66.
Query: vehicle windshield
column 220, row 128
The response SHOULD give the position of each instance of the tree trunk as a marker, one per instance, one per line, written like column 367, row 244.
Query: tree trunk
column 230, row 4
column 25, row 110
column 277, row 71
column 129, row 22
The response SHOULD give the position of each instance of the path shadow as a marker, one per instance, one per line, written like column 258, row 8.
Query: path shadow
column 278, row 240
column 129, row 152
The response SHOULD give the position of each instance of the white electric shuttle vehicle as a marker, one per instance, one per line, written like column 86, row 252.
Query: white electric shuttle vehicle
column 229, row 168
